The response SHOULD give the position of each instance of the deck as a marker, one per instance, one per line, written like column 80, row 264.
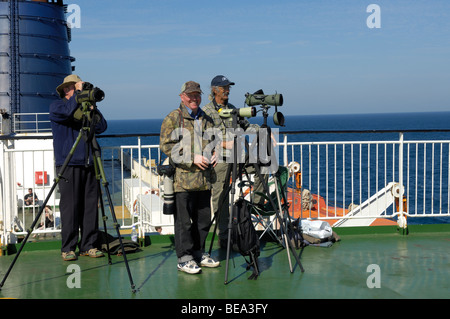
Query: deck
column 413, row 266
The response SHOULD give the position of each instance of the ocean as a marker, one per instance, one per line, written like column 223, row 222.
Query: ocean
column 338, row 122
column 321, row 128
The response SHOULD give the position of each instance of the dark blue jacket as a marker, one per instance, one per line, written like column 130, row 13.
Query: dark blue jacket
column 66, row 130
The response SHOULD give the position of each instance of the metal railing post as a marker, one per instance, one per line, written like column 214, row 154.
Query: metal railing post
column 402, row 189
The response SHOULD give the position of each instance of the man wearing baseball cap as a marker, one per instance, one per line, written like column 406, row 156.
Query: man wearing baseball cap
column 219, row 96
column 192, row 177
column 78, row 186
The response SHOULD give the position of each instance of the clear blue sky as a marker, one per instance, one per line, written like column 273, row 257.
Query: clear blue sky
column 320, row 55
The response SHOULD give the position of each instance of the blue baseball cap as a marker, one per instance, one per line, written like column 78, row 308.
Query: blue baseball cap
column 220, row 80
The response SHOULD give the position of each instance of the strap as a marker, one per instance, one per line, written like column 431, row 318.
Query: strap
column 181, row 121
column 254, row 264
column 216, row 105
column 180, row 125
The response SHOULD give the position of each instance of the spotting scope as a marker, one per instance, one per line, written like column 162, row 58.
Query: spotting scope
column 242, row 112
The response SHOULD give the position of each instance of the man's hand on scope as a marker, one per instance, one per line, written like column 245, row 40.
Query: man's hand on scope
column 79, row 86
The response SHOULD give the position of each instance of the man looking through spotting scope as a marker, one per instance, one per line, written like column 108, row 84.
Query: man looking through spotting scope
column 78, row 185
column 219, row 96
column 182, row 139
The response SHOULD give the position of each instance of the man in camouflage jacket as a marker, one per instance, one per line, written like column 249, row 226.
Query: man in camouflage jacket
column 182, row 139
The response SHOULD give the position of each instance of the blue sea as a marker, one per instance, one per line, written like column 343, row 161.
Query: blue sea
column 308, row 123
column 339, row 127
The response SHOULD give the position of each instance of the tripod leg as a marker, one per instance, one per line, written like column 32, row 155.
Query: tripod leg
column 102, row 208
column 284, row 235
column 231, row 203
column 214, row 233
column 104, row 218
column 287, row 220
column 116, row 225
column 29, row 231
column 218, row 214
column 97, row 159
column 232, row 212
column 229, row 230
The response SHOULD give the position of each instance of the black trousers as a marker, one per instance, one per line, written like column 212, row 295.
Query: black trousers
column 192, row 222
column 79, row 208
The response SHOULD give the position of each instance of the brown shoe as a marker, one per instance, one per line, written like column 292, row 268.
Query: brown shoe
column 93, row 252
column 68, row 256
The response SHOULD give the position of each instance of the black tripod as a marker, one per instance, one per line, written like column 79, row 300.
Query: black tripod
column 236, row 170
column 89, row 119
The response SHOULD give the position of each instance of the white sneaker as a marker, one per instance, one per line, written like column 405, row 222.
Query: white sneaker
column 209, row 262
column 189, row 267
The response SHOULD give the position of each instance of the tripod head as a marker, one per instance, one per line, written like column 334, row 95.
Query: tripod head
column 87, row 113
column 84, row 110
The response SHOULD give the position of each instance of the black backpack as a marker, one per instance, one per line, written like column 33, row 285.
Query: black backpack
column 244, row 238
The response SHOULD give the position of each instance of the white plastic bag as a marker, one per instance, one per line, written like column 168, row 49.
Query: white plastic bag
column 316, row 228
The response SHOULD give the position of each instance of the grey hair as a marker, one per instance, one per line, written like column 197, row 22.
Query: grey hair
column 212, row 94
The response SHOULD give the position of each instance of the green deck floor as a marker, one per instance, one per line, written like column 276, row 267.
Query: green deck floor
column 413, row 266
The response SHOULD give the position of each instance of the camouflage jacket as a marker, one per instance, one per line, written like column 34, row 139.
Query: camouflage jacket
column 181, row 138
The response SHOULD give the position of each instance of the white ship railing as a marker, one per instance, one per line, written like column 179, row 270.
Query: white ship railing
column 31, row 123
column 341, row 172
column 350, row 172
